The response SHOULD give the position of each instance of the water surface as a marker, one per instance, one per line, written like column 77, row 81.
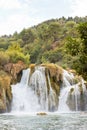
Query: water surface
column 69, row 121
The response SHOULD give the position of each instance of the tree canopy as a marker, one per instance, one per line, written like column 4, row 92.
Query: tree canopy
column 62, row 41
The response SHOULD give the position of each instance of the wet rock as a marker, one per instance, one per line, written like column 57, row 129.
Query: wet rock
column 51, row 82
column 42, row 113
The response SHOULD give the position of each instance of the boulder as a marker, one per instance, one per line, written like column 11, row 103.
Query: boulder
column 41, row 113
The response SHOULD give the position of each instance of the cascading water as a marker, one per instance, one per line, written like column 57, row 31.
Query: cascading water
column 25, row 77
column 34, row 93
column 31, row 94
column 67, row 81
column 51, row 97
column 39, row 85
column 24, row 98
column 72, row 93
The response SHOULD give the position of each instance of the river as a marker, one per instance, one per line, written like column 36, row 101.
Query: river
column 26, row 103
column 54, row 121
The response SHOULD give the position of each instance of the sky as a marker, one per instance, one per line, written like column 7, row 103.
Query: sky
column 15, row 15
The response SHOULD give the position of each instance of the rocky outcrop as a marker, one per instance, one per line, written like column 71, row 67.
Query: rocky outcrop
column 9, row 74
column 55, row 73
column 50, row 83
column 45, row 78
column 77, row 95
column 15, row 70
column 5, row 92
column 56, row 76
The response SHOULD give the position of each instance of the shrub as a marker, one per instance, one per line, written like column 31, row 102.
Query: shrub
column 15, row 53
column 4, row 58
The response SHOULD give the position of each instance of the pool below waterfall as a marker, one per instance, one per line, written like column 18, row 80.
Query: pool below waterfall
column 54, row 121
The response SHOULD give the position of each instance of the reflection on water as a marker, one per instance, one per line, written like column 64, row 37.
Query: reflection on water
column 48, row 122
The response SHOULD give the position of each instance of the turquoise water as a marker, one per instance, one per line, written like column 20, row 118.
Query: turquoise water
column 75, row 121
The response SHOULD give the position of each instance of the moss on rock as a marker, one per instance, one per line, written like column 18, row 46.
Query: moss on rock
column 71, row 90
column 56, row 76
column 32, row 68
column 5, row 91
column 55, row 71
column 80, row 89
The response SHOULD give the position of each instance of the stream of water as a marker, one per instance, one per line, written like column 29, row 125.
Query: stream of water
column 73, row 121
column 30, row 97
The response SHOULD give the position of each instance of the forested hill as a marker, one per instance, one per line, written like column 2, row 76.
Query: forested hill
column 62, row 41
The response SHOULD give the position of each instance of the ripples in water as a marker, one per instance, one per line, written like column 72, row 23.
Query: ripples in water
column 75, row 121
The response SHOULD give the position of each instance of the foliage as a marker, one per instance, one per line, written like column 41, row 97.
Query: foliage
column 62, row 41
column 72, row 46
column 15, row 53
column 4, row 58
column 82, row 28
column 52, row 56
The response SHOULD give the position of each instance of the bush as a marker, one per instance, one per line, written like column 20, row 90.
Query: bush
column 15, row 53
column 16, row 56
column 4, row 58
column 52, row 56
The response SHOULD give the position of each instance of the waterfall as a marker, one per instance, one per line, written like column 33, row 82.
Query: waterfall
column 35, row 93
column 24, row 98
column 67, row 81
column 72, row 93
column 51, row 97
column 31, row 94
column 25, row 76
column 39, row 85
column 76, row 98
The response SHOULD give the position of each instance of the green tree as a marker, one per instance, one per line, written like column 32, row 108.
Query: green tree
column 54, row 30
column 72, row 46
column 82, row 28
column 28, row 36
column 4, row 58
column 15, row 53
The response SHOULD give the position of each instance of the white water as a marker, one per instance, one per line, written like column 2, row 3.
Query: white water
column 24, row 98
column 31, row 94
column 76, row 121
column 52, row 96
column 39, row 85
column 64, row 93
column 67, row 78
column 25, row 77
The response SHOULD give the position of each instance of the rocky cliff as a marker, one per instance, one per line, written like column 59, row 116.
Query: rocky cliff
column 48, row 79
column 9, row 74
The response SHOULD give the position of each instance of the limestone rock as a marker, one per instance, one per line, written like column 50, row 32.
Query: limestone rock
column 5, row 92
column 53, row 75
column 14, row 69
column 42, row 113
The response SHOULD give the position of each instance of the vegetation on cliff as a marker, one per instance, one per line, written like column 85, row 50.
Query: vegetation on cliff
column 45, row 80
column 61, row 41
column 5, row 92
column 9, row 74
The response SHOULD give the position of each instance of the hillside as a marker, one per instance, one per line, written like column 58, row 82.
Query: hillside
column 62, row 41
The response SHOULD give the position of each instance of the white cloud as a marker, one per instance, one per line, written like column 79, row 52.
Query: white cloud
column 18, row 14
column 10, row 4
column 17, row 22
column 79, row 7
